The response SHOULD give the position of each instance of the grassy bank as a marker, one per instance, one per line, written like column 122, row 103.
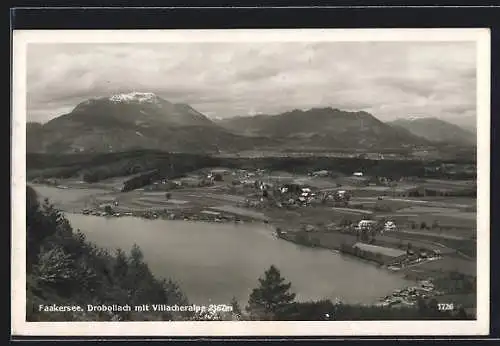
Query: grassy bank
column 337, row 241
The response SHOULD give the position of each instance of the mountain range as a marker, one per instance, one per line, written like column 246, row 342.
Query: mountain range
column 436, row 130
column 144, row 120
column 325, row 127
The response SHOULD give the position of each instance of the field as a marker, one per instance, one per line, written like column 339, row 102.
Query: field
column 240, row 211
column 386, row 251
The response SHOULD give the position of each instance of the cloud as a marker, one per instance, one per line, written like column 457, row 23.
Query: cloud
column 389, row 79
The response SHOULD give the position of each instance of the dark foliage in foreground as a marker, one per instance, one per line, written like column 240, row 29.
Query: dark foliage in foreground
column 64, row 269
column 271, row 298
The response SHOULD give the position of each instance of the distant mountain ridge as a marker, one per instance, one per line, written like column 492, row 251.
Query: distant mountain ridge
column 139, row 120
column 436, row 130
column 325, row 127
column 468, row 123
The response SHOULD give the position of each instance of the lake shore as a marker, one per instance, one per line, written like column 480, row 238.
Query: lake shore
column 88, row 204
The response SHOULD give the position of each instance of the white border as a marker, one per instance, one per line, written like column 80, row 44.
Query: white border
column 20, row 327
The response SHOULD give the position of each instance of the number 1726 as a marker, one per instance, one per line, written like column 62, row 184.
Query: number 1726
column 445, row 306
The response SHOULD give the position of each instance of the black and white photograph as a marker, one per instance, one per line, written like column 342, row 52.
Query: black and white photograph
column 325, row 182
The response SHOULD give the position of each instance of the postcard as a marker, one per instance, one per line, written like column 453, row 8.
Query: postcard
column 251, row 182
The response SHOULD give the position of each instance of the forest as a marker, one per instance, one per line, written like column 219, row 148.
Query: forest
column 96, row 167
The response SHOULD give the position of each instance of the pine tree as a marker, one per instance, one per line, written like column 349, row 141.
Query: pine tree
column 271, row 297
column 120, row 266
column 136, row 255
column 462, row 314
column 236, row 307
column 137, row 275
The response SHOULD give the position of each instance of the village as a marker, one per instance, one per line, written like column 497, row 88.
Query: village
column 409, row 296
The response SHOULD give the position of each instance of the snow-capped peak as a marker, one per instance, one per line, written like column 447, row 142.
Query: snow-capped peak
column 134, row 97
column 418, row 117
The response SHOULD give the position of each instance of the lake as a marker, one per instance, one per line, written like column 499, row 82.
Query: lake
column 213, row 262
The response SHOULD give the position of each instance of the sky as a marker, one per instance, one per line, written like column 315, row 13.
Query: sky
column 222, row 79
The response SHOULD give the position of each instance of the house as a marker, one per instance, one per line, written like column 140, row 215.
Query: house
column 265, row 186
column 389, row 226
column 384, row 180
column 366, row 225
column 436, row 253
column 105, row 206
column 221, row 171
column 322, row 173
column 248, row 183
column 291, row 188
column 342, row 195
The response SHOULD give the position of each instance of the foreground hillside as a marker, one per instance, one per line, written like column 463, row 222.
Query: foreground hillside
column 64, row 269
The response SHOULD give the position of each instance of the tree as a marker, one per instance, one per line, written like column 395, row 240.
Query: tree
column 432, row 307
column 236, row 307
column 138, row 274
column 423, row 225
column 462, row 314
column 120, row 266
column 31, row 199
column 422, row 306
column 279, row 231
column 108, row 209
column 168, row 195
column 320, row 310
column 364, row 235
column 55, row 266
column 271, row 297
column 136, row 255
